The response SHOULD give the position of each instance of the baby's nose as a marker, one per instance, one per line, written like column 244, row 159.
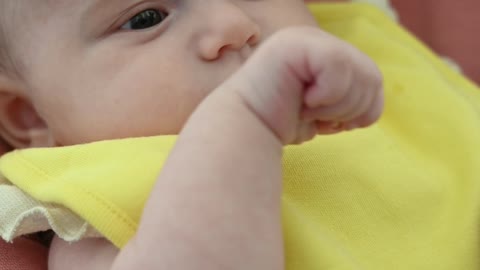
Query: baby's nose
column 228, row 28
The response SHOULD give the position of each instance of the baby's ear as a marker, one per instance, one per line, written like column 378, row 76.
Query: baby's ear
column 20, row 124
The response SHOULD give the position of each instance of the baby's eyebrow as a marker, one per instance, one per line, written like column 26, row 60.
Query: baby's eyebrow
column 97, row 13
column 113, row 6
column 101, row 6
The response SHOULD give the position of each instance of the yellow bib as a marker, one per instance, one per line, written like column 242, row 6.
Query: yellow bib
column 403, row 194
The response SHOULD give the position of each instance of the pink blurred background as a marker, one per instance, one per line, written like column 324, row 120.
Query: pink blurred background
column 450, row 27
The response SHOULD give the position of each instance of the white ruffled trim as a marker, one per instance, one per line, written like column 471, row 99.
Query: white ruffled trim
column 20, row 214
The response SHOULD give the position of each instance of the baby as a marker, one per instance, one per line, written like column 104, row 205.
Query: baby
column 237, row 80
column 225, row 75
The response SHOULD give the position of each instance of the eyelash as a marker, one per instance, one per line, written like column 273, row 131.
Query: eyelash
column 143, row 19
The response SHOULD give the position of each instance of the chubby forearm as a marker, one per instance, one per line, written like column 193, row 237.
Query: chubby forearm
column 90, row 253
column 216, row 204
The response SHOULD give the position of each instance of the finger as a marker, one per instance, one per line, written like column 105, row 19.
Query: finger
column 371, row 116
column 361, row 107
column 334, row 81
column 306, row 132
column 337, row 111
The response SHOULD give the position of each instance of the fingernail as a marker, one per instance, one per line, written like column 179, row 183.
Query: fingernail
column 336, row 125
column 352, row 126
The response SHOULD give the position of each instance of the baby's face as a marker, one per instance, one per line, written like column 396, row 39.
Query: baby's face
column 105, row 69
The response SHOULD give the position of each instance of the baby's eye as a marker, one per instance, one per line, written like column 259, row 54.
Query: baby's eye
column 145, row 19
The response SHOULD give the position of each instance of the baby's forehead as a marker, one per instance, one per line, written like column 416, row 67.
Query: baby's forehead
column 29, row 16
column 21, row 23
column 71, row 10
column 78, row 6
column 41, row 9
column 20, row 12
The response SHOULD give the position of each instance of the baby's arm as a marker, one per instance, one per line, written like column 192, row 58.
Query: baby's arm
column 216, row 204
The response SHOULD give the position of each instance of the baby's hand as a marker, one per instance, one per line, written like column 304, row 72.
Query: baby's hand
column 303, row 82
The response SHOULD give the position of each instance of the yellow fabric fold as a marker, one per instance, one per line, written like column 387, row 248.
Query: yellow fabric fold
column 103, row 172
column 403, row 194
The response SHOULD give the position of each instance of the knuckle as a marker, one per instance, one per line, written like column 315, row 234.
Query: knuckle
column 370, row 117
column 340, row 60
column 377, row 79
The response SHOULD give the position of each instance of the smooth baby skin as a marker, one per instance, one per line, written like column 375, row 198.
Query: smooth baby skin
column 297, row 71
